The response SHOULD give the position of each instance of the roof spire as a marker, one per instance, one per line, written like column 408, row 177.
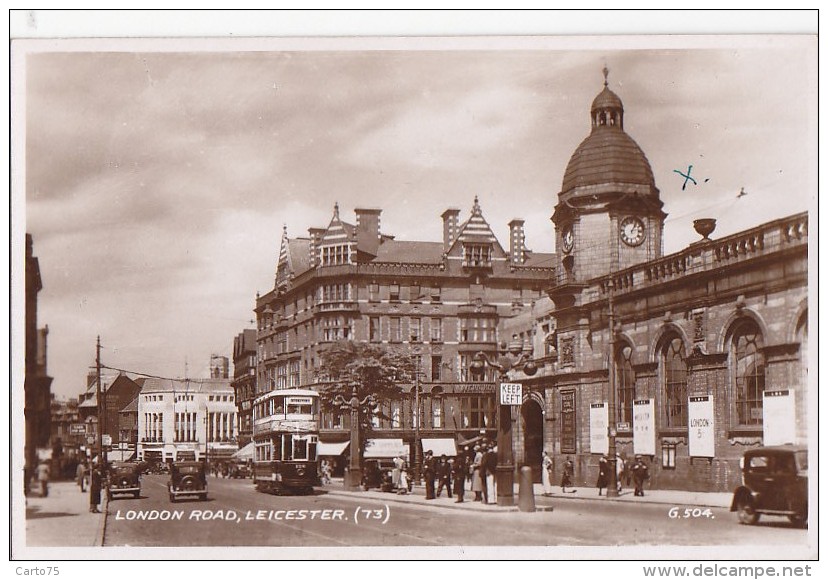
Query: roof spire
column 476, row 207
column 606, row 74
column 336, row 209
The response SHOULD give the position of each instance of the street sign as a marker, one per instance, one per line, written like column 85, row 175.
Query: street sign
column 77, row 429
column 623, row 426
column 106, row 440
column 511, row 393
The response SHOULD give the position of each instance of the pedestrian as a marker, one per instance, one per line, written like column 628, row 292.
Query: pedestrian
column 458, row 472
column 477, row 481
column 484, row 472
column 42, row 474
column 490, row 462
column 603, row 473
column 640, row 474
column 620, row 470
column 403, row 486
column 95, row 482
column 568, row 472
column 429, row 472
column 80, row 475
column 546, row 473
column 444, row 476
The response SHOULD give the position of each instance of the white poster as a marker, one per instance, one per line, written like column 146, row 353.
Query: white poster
column 598, row 421
column 779, row 417
column 701, row 433
column 644, row 427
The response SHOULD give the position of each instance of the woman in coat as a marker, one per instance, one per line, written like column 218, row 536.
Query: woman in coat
column 95, row 482
column 603, row 474
column 477, row 479
column 546, row 474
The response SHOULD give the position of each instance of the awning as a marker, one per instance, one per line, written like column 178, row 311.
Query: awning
column 385, row 448
column 331, row 449
column 440, row 447
column 245, row 452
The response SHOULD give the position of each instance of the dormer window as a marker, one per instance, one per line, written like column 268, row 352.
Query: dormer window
column 477, row 255
column 334, row 255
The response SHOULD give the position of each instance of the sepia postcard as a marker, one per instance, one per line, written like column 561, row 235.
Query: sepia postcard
column 415, row 298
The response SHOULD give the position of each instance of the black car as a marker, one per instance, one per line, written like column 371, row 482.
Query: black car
column 124, row 478
column 187, row 478
column 774, row 482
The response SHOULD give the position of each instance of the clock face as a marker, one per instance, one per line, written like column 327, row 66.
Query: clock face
column 632, row 231
column 568, row 240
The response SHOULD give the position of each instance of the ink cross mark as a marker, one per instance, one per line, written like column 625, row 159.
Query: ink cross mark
column 686, row 177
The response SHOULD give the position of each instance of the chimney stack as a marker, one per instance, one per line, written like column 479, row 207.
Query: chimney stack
column 368, row 230
column 517, row 242
column 451, row 223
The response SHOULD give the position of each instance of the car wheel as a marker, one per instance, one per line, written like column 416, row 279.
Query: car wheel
column 746, row 511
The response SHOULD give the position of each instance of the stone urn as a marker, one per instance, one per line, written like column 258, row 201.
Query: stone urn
column 704, row 227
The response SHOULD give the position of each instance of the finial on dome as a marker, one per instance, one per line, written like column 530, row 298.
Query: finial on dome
column 476, row 206
column 606, row 74
column 284, row 230
column 336, row 209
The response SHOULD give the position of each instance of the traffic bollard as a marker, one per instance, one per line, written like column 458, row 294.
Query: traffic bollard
column 526, row 499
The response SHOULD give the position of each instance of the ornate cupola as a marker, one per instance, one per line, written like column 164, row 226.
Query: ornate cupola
column 608, row 216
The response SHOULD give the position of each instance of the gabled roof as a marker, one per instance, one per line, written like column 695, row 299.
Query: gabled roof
column 476, row 229
column 132, row 407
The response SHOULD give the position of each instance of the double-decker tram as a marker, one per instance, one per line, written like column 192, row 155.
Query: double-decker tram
column 285, row 433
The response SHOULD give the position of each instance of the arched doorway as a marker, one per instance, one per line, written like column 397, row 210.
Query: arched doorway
column 532, row 436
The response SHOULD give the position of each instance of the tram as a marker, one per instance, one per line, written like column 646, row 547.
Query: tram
column 285, row 434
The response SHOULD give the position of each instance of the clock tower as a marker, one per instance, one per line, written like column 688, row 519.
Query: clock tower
column 608, row 216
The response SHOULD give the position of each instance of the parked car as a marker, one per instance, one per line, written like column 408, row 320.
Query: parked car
column 124, row 478
column 239, row 471
column 378, row 473
column 774, row 482
column 187, row 478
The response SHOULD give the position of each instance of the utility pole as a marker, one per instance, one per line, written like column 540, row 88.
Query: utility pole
column 99, row 435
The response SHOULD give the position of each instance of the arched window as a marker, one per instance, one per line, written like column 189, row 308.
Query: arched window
column 674, row 373
column 748, row 373
column 625, row 384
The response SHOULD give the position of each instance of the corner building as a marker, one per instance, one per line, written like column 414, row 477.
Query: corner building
column 709, row 344
column 442, row 302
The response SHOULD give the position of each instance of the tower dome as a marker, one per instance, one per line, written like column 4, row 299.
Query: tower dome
column 608, row 155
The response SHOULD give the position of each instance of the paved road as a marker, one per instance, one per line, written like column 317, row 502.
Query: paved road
column 340, row 520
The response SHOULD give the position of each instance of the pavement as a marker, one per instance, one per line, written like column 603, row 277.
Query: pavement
column 677, row 498
column 63, row 518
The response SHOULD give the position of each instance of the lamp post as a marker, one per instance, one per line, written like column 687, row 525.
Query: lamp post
column 520, row 359
column 612, row 489
column 418, row 452
column 353, row 480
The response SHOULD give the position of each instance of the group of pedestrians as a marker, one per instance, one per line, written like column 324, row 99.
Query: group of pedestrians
column 91, row 475
column 638, row 471
column 471, row 470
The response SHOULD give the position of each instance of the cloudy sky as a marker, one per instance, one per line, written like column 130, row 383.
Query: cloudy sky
column 157, row 183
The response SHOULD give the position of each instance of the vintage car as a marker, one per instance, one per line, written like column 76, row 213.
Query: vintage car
column 239, row 471
column 378, row 473
column 187, row 478
column 124, row 478
column 774, row 482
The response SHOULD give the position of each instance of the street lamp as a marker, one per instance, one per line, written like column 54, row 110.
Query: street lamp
column 518, row 357
column 353, row 479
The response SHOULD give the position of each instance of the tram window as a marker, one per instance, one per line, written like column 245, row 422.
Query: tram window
column 277, row 447
column 299, row 409
column 300, row 448
column 280, row 410
column 312, row 450
column 287, row 448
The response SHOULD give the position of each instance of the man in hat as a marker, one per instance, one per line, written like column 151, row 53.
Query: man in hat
column 640, row 474
column 444, row 476
column 603, row 473
column 429, row 473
